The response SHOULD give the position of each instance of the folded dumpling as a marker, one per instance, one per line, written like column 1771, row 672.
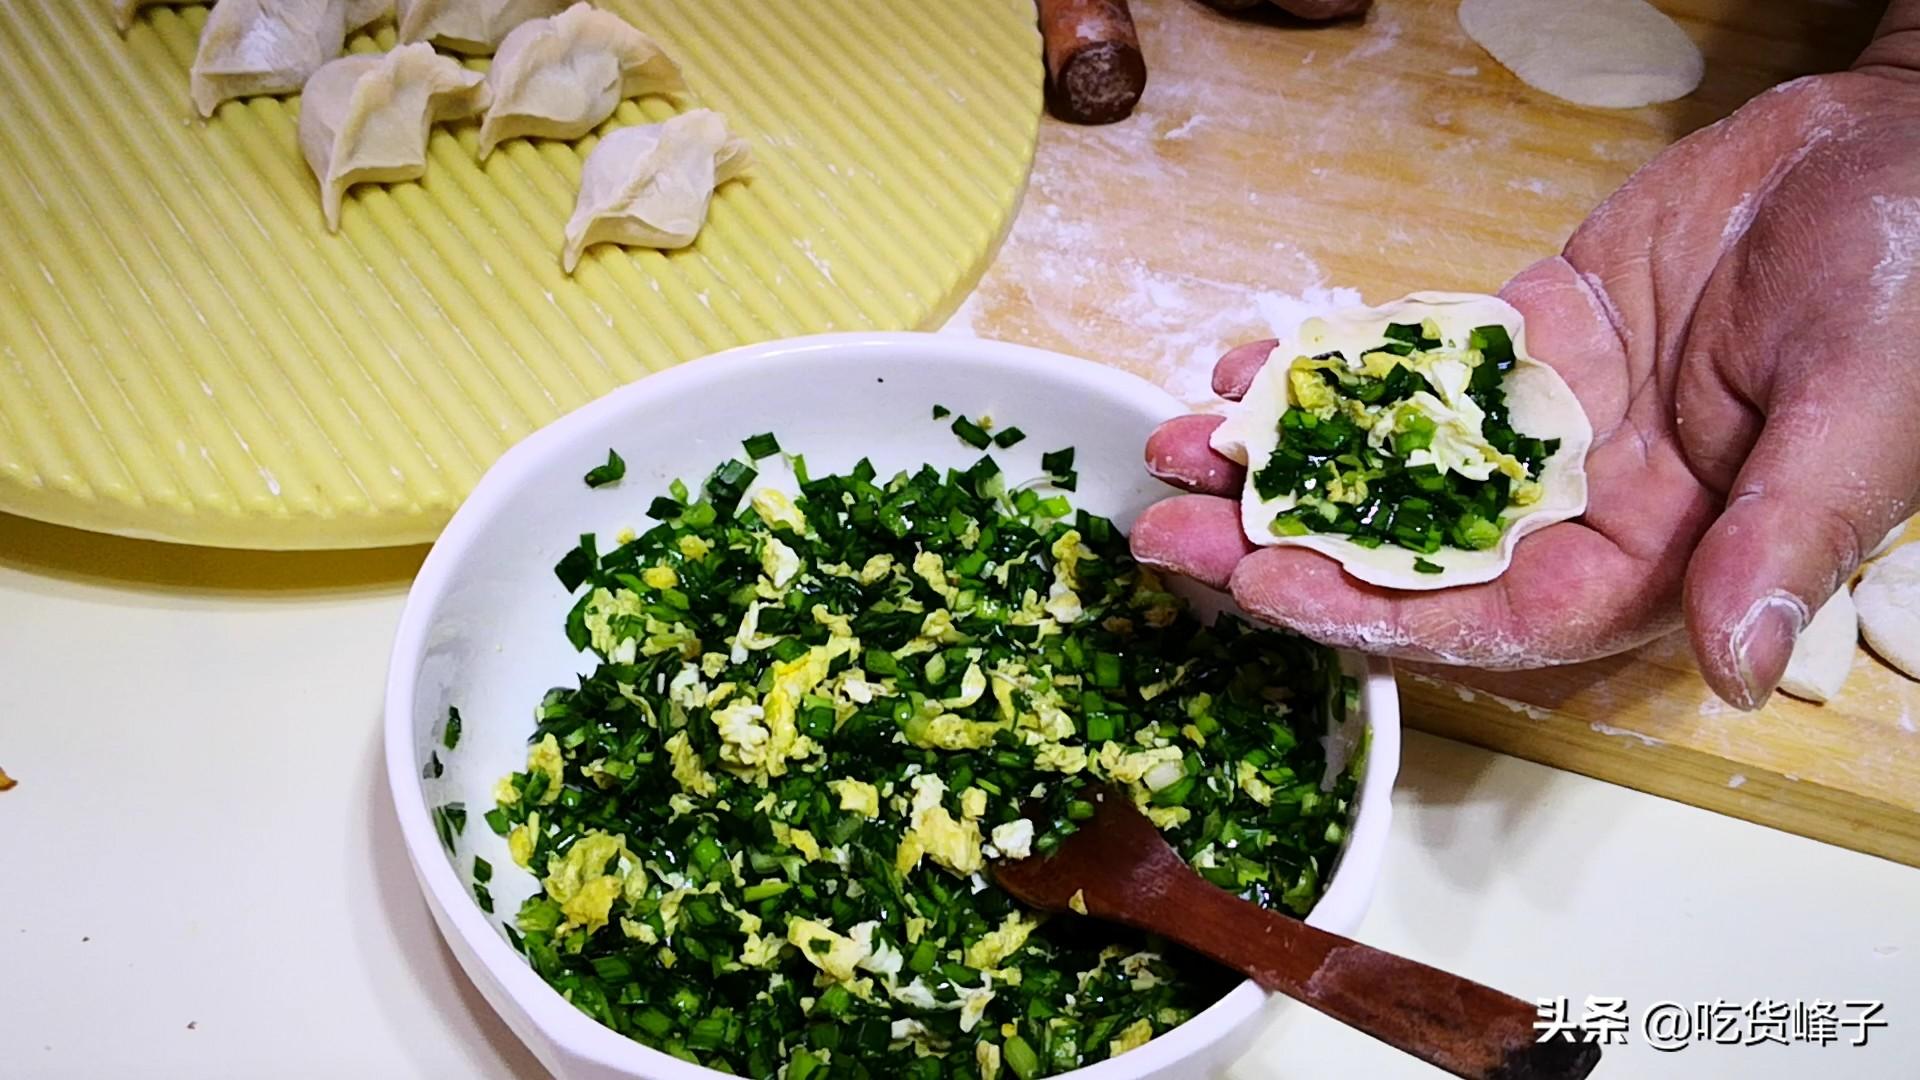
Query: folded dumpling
column 649, row 186
column 559, row 78
column 364, row 13
column 125, row 10
column 366, row 119
column 251, row 47
column 469, row 26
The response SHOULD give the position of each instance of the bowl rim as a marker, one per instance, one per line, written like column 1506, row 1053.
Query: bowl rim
column 575, row 1033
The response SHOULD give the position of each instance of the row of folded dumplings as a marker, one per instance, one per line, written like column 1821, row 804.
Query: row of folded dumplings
column 558, row 72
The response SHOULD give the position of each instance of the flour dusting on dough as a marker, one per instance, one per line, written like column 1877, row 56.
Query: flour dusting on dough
column 1900, row 230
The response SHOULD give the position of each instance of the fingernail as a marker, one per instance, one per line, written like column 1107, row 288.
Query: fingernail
column 1763, row 642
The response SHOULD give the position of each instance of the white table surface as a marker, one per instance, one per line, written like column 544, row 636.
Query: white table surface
column 200, row 876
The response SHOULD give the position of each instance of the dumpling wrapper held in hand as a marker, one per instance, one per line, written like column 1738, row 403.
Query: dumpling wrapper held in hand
column 650, row 186
column 366, row 119
column 254, row 47
column 475, row 27
column 560, row 78
column 1540, row 404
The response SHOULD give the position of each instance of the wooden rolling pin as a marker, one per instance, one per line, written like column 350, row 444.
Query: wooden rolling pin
column 1093, row 59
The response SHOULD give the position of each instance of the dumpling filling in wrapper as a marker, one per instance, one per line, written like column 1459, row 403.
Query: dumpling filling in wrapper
column 254, row 47
column 649, row 186
column 1416, row 442
column 475, row 27
column 366, row 119
column 559, row 78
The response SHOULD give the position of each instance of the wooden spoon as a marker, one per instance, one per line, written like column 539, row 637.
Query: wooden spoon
column 1120, row 869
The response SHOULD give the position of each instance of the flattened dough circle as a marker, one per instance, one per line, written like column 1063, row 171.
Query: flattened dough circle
column 1889, row 601
column 1539, row 401
column 1610, row 54
column 1824, row 654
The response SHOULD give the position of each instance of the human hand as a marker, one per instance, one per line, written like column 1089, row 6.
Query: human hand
column 1741, row 321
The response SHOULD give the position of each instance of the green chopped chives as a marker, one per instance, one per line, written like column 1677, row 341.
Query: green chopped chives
column 760, row 446
column 450, row 738
column 612, row 471
column 971, row 433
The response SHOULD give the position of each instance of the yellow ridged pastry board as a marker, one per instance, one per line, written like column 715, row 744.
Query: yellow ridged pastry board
column 186, row 353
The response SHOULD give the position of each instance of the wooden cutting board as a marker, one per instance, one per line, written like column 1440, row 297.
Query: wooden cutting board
column 1274, row 161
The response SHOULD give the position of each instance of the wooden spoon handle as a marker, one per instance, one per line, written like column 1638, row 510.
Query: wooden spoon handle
column 1456, row 1024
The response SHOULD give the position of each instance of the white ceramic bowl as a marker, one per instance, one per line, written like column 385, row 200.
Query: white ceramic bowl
column 482, row 629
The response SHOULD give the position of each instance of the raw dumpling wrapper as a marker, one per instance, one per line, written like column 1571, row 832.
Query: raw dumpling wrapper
column 650, row 186
column 559, row 78
column 1540, row 404
column 251, row 47
column 366, row 119
column 1823, row 655
column 1888, row 599
column 125, row 10
column 469, row 26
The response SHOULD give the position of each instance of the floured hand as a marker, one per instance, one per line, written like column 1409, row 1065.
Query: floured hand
column 1741, row 322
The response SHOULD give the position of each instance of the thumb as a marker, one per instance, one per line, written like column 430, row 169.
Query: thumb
column 1830, row 473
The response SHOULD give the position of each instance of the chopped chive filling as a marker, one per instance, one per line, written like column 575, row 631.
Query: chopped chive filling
column 1009, row 437
column 971, row 433
column 450, row 738
column 763, row 445
column 760, row 827
column 941, row 412
column 602, row 475
column 1409, row 444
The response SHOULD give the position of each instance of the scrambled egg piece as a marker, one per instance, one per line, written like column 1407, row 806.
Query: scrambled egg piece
column 1134, row 766
column 520, row 841
column 687, row 769
column 776, row 510
column 973, row 685
column 660, row 577
column 1249, row 779
column 544, row 758
column 1134, row 1037
column 1060, row 758
column 1078, row 901
column 799, row 840
column 951, row 731
column 986, row 1055
column 743, row 741
column 793, row 680
column 760, row 950
column 973, row 803
column 1014, row 840
column 779, row 562
column 1310, row 391
column 998, row 944
column 934, row 833
column 693, row 547
column 580, row 883
column 876, row 569
column 857, row 796
column 832, row 953
column 931, row 569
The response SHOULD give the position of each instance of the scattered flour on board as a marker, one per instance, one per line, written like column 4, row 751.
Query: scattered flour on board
column 1466, row 72
column 1737, row 780
column 1645, row 740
